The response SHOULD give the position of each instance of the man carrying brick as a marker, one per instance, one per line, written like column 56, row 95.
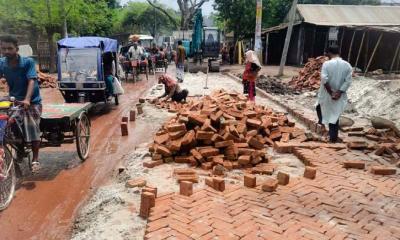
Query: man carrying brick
column 336, row 78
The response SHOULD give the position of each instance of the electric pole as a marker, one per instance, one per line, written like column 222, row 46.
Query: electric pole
column 257, row 39
column 292, row 15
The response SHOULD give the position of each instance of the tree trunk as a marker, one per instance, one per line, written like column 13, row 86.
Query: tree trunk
column 52, row 65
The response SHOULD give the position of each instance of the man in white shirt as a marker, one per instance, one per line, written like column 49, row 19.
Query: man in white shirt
column 135, row 51
column 336, row 78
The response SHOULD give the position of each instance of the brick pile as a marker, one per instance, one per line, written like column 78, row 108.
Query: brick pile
column 310, row 76
column 47, row 80
column 220, row 132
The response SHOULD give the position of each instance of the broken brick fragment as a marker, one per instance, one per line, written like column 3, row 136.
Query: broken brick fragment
column 283, row 178
column 269, row 185
column 250, row 180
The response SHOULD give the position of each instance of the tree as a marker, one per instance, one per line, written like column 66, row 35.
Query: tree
column 187, row 10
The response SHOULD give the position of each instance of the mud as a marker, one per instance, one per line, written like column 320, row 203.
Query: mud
column 45, row 205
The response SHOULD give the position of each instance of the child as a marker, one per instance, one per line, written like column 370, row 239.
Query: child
column 250, row 74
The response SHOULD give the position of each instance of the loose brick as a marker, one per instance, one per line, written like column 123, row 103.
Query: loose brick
column 382, row 170
column 245, row 151
column 146, row 203
column 275, row 135
column 228, row 165
column 253, row 142
column 207, row 165
column 139, row 182
column 139, row 108
column 161, row 139
column 354, row 164
column 175, row 146
column 203, row 135
column 124, row 119
column 124, row 129
column 283, row 178
column 176, row 127
column 224, row 144
column 150, row 189
column 152, row 164
column 357, row 145
column 380, row 151
column 249, row 181
column 184, row 171
column 189, row 138
column 254, row 123
column 219, row 184
column 209, row 152
column 197, row 119
column 209, row 181
column 218, row 170
column 176, row 135
column 285, row 137
column 132, row 115
column 183, row 159
column 244, row 159
column 264, row 170
column 310, row 172
column 190, row 178
column 269, row 185
column 163, row 151
column 186, row 188
column 196, row 154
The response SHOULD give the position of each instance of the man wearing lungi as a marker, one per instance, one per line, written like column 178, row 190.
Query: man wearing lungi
column 21, row 77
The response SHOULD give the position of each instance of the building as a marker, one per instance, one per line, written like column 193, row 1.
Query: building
column 368, row 36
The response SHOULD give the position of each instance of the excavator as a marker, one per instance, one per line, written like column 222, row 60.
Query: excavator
column 205, row 44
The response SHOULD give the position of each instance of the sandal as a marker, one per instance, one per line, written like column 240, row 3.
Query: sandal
column 35, row 167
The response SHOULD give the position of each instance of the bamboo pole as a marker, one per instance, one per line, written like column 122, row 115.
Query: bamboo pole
column 341, row 40
column 351, row 46
column 394, row 58
column 359, row 50
column 373, row 53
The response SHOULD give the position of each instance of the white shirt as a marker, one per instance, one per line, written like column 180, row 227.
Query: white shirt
column 135, row 53
column 338, row 74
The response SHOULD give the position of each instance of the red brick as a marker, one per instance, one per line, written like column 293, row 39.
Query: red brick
column 183, row 159
column 245, row 151
column 186, row 188
column 218, row 170
column 190, row 178
column 177, row 135
column 268, row 170
column 253, row 142
column 354, row 164
column 209, row 152
column 150, row 189
column 163, row 151
column 357, row 145
column 209, row 181
column 380, row 151
column 228, row 165
column 249, row 180
column 203, row 135
column 139, row 182
column 269, row 185
column 207, row 165
column 275, row 135
column 244, row 160
column 217, row 138
column 184, row 171
column 196, row 154
column 175, row 146
column 124, row 119
column 219, row 184
column 156, row 157
column 283, row 178
column 197, row 119
column 189, row 138
column 132, row 115
column 152, row 164
column 254, row 123
column 382, row 170
column 241, row 145
column 124, row 129
column 176, row 127
column 139, row 108
column 161, row 139
column 285, row 137
column 224, row 144
column 146, row 203
column 310, row 172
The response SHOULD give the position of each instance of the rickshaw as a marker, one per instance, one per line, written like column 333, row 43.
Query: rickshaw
column 136, row 67
column 83, row 63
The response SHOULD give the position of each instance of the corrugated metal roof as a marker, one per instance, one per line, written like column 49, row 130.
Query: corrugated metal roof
column 344, row 15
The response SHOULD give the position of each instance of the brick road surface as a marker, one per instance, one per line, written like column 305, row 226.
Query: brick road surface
column 337, row 204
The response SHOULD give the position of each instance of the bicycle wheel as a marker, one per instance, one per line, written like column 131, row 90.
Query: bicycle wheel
column 82, row 135
column 7, row 185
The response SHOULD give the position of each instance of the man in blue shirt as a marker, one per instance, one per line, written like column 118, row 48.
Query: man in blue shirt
column 21, row 77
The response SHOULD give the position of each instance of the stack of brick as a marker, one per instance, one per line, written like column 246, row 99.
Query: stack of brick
column 46, row 80
column 221, row 132
column 309, row 77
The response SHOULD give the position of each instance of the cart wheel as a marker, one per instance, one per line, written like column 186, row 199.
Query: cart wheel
column 82, row 135
column 116, row 100
column 7, row 185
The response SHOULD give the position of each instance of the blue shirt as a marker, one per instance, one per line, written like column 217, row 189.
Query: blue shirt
column 18, row 78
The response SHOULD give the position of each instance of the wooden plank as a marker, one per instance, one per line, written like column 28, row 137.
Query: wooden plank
column 341, row 40
column 373, row 53
column 360, row 49
column 66, row 110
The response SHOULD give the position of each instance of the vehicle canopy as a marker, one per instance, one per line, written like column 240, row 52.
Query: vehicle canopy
column 105, row 44
column 82, row 58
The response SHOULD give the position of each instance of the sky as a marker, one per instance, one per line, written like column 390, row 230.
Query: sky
column 207, row 7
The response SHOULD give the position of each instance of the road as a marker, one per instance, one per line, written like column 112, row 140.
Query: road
column 45, row 205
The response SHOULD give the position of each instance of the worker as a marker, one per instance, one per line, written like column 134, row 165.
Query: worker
column 231, row 53
column 336, row 78
column 21, row 77
column 135, row 51
column 180, row 62
column 250, row 74
column 172, row 89
column 154, row 50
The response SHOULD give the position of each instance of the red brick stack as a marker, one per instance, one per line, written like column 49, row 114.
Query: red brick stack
column 46, row 80
column 310, row 76
column 220, row 130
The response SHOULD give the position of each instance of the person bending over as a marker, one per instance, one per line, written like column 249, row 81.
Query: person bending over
column 172, row 89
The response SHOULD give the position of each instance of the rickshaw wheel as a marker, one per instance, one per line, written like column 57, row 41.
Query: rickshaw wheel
column 7, row 186
column 82, row 135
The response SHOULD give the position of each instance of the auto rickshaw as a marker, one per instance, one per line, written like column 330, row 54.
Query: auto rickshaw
column 83, row 65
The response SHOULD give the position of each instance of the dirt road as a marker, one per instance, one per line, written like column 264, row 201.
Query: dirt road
column 45, row 204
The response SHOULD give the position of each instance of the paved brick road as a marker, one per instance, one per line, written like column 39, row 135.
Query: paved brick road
column 338, row 204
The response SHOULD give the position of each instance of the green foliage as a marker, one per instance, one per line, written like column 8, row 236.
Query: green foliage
column 138, row 17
